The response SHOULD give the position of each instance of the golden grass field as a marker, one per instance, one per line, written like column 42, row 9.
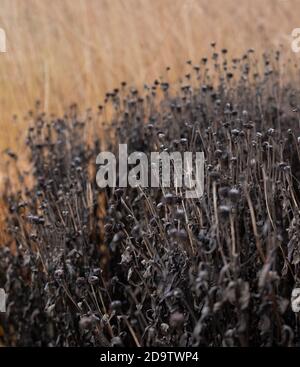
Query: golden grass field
column 65, row 51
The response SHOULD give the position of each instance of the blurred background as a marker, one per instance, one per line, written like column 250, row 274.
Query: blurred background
column 65, row 51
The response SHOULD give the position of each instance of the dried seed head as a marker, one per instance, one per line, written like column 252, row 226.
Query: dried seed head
column 224, row 210
column 93, row 280
column 234, row 195
column 58, row 274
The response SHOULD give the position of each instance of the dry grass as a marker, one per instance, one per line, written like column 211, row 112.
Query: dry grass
column 3, row 234
column 218, row 271
column 213, row 272
column 75, row 50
